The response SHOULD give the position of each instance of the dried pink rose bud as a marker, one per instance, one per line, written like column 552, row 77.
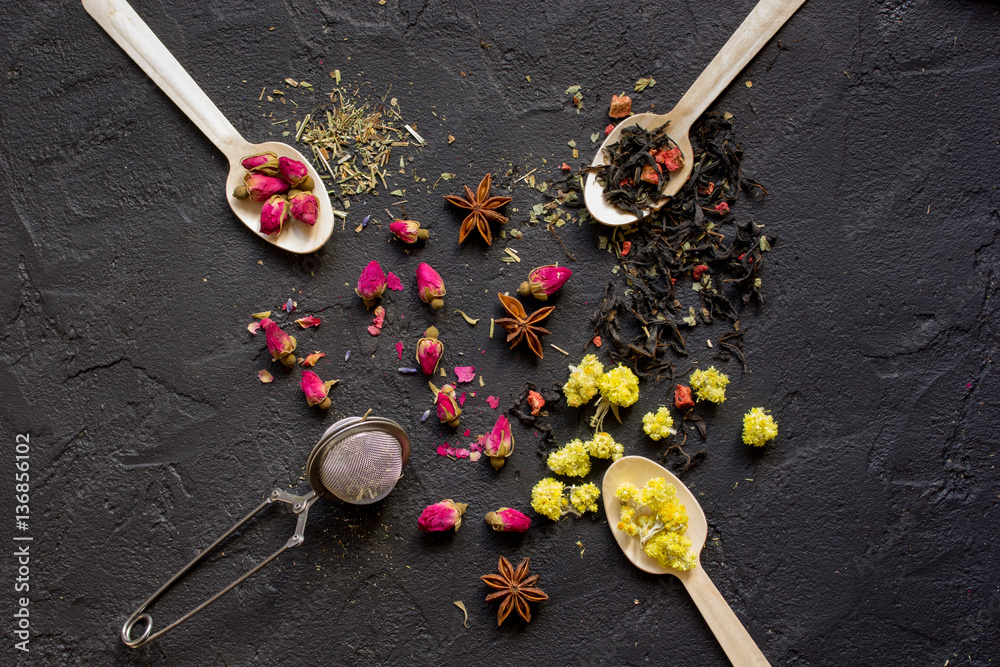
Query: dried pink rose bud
column 408, row 231
column 279, row 344
column 429, row 351
column 507, row 520
column 500, row 443
column 446, row 406
column 262, row 187
column 445, row 515
column 304, row 206
column 544, row 281
column 292, row 171
column 430, row 286
column 273, row 215
column 317, row 392
column 371, row 283
column 261, row 163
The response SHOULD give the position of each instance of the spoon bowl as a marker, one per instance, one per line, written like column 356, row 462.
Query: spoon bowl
column 759, row 26
column 593, row 193
column 294, row 235
column 131, row 33
column 732, row 636
column 638, row 470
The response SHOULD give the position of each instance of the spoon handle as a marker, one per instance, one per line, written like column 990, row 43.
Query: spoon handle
column 732, row 636
column 757, row 28
column 131, row 33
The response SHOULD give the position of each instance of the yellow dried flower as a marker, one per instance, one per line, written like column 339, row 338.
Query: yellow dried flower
column 603, row 446
column 619, row 386
column 655, row 515
column 710, row 385
column 758, row 427
column 658, row 425
column 582, row 383
column 571, row 459
column 671, row 549
column 584, row 497
column 547, row 498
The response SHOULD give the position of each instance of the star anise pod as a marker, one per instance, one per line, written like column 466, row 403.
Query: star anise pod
column 521, row 326
column 482, row 209
column 514, row 588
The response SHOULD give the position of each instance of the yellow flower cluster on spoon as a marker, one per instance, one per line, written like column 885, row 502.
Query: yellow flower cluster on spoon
column 655, row 515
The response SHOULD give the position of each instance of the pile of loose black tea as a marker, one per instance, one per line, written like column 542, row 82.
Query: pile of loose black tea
column 638, row 167
column 692, row 238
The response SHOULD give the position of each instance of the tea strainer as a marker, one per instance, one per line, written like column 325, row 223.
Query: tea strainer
column 358, row 461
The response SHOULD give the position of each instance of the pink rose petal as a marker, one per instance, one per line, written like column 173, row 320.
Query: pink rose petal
column 462, row 453
column 442, row 450
column 465, row 373
column 467, row 433
column 461, row 399
column 493, row 401
column 474, row 456
column 265, row 376
column 392, row 282
column 449, row 449
column 306, row 322
column 399, row 349
column 374, row 330
column 253, row 327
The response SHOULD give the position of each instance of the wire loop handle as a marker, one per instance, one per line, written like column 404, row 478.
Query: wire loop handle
column 300, row 506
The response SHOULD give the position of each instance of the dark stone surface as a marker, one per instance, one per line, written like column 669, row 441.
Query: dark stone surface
column 866, row 534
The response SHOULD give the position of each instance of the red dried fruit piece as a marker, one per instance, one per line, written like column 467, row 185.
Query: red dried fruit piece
column 682, row 397
column 621, row 106
column 536, row 401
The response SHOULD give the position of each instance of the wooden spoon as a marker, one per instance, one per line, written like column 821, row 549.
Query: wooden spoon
column 125, row 27
column 735, row 640
column 758, row 27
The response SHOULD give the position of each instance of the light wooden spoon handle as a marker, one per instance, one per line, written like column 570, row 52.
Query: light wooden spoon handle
column 131, row 33
column 732, row 636
column 758, row 27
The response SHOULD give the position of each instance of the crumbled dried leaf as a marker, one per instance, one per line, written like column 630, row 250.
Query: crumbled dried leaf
column 468, row 319
column 260, row 316
column 642, row 84
column 461, row 605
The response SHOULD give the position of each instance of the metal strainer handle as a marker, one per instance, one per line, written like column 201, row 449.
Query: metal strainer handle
column 300, row 505
column 379, row 444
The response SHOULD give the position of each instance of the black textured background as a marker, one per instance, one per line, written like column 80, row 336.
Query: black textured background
column 866, row 534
